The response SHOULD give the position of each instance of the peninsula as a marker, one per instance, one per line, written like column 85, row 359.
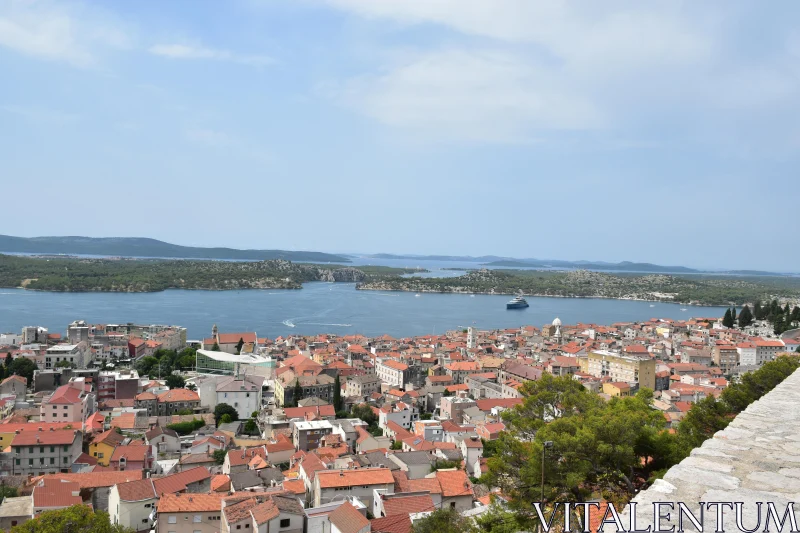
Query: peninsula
column 687, row 289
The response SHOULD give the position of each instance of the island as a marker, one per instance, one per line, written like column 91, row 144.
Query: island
column 76, row 274
column 696, row 289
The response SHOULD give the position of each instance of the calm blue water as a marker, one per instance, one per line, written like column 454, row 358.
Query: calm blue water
column 317, row 308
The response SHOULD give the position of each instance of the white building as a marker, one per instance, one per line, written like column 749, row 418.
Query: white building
column 393, row 373
column 132, row 505
column 243, row 394
column 78, row 355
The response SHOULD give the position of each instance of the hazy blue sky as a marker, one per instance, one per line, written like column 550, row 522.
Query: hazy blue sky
column 650, row 131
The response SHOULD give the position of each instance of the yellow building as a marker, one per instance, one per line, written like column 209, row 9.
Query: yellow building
column 102, row 446
column 617, row 390
column 631, row 369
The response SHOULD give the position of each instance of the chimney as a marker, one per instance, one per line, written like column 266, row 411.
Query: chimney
column 341, row 473
column 52, row 428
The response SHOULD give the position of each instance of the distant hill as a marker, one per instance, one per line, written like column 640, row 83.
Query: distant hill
column 464, row 258
column 142, row 247
column 624, row 266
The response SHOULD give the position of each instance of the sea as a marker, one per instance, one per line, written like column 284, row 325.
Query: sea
column 321, row 307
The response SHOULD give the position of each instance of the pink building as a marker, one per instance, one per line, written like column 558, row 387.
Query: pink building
column 69, row 403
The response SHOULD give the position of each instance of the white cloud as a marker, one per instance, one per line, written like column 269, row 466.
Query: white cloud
column 491, row 96
column 183, row 51
column 55, row 32
column 510, row 69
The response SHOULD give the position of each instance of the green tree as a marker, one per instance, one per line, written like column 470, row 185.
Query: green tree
column 733, row 314
column 175, row 382
column 250, row 427
column 219, row 456
column 795, row 316
column 498, row 520
column 215, row 348
column 224, row 409
column 75, row 519
column 8, row 492
column 745, row 317
column 297, row 394
column 444, row 521
column 365, row 413
column 64, row 364
column 22, row 366
column 191, row 387
column 397, row 445
column 727, row 320
column 338, row 404
column 239, row 345
column 758, row 311
column 225, row 419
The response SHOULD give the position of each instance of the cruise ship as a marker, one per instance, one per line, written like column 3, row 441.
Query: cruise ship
column 517, row 303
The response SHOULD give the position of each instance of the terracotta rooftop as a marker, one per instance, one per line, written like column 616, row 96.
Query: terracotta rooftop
column 56, row 493
column 347, row 519
column 349, row 478
column 188, row 503
column 136, row 491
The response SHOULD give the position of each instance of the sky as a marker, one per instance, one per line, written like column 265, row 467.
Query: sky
column 653, row 131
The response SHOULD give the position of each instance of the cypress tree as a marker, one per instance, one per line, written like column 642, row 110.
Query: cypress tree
column 745, row 317
column 337, row 394
column 727, row 320
column 733, row 313
column 298, row 392
column 758, row 311
column 796, row 314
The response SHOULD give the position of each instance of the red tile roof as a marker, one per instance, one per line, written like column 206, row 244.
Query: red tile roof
column 65, row 394
column 349, row 478
column 454, row 483
column 178, row 482
column 93, row 480
column 56, row 493
column 187, row 503
column 391, row 524
column 135, row 453
column 408, row 504
column 55, row 437
column 136, row 491
column 179, row 395
column 347, row 519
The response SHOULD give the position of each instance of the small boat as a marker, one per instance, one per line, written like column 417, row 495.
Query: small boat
column 652, row 305
column 683, row 309
column 416, row 295
column 472, row 296
column 517, row 303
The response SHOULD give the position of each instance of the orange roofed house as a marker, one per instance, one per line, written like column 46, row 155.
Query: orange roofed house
column 331, row 484
column 69, row 403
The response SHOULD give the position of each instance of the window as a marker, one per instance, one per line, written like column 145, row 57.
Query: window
column 66, row 459
column 172, row 519
column 239, row 526
column 197, row 519
column 17, row 461
column 65, row 415
column 144, row 520
column 30, row 462
column 285, row 522
column 66, row 448
column 30, row 449
column 52, row 460
column 100, row 455
column 52, row 449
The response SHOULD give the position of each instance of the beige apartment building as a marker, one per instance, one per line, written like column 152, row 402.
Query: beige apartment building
column 631, row 369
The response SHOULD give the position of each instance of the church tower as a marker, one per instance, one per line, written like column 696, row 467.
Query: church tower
column 214, row 332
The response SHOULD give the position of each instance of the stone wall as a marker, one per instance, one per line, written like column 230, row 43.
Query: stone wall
column 755, row 459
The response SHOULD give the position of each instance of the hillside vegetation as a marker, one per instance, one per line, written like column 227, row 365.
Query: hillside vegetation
column 150, row 275
column 695, row 289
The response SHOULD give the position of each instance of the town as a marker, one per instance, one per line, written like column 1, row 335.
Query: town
column 321, row 433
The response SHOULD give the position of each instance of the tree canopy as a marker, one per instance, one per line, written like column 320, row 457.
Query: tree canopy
column 444, row 521
column 224, row 409
column 75, row 519
column 175, row 382
column 22, row 366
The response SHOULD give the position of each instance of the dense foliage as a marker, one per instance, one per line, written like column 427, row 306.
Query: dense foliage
column 595, row 448
column 223, row 409
column 444, row 521
column 164, row 362
column 185, row 428
column 75, row 519
column 700, row 289
column 148, row 275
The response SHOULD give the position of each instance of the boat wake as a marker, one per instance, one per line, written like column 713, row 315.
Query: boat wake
column 330, row 325
column 288, row 323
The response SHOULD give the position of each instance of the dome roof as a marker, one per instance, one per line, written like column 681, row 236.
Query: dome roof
column 557, row 322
